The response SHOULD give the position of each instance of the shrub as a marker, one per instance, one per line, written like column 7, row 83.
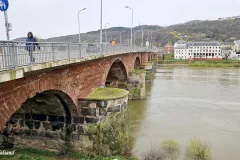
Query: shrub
column 155, row 154
column 171, row 149
column 198, row 150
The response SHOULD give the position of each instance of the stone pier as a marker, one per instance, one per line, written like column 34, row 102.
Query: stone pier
column 63, row 132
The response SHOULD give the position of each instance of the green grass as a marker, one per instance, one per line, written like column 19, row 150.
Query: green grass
column 221, row 63
column 107, row 94
column 37, row 154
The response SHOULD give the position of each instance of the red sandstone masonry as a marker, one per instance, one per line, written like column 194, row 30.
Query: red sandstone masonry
column 77, row 81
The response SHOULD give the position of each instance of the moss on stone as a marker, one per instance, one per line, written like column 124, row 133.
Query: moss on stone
column 107, row 94
column 138, row 71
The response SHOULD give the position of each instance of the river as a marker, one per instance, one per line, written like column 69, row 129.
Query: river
column 183, row 103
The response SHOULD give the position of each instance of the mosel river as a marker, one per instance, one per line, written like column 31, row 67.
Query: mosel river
column 183, row 103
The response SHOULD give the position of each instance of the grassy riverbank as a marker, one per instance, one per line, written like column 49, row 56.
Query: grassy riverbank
column 35, row 154
column 221, row 63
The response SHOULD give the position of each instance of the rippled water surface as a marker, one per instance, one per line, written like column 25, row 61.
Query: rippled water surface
column 183, row 103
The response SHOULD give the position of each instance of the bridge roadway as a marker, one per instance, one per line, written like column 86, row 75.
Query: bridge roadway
column 15, row 59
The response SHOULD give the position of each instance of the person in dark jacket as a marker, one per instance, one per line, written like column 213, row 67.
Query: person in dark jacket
column 31, row 43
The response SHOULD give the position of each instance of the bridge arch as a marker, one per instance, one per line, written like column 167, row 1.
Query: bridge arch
column 137, row 64
column 117, row 75
column 43, row 115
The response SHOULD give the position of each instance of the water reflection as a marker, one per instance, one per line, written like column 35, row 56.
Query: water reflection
column 189, row 102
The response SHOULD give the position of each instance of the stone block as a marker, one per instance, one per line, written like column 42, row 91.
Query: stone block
column 57, row 126
column 40, row 117
column 80, row 129
column 84, row 103
column 93, row 105
column 34, row 133
column 47, row 125
column 18, row 132
column 124, row 106
column 89, row 111
column 102, row 112
column 102, row 104
column 27, row 132
column 61, row 119
column 114, row 109
column 75, row 136
column 28, row 116
column 91, row 119
column 78, row 120
column 52, row 118
column 119, row 101
column 29, row 124
column 36, row 124
column 50, row 134
column 18, row 116
column 12, row 121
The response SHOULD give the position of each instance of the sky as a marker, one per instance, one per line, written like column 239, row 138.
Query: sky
column 52, row 18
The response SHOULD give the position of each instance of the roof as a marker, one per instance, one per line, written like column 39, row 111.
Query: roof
column 204, row 44
column 169, row 43
column 181, row 42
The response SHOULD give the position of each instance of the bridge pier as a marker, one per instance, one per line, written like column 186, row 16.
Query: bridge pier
column 136, row 84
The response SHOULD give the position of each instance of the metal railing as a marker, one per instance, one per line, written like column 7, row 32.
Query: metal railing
column 14, row 54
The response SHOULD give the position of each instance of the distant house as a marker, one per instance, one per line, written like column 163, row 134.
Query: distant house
column 197, row 50
column 237, row 46
column 168, row 48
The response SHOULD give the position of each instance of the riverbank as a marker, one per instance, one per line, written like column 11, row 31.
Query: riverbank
column 221, row 63
column 35, row 154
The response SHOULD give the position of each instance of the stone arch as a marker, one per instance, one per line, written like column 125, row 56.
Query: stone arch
column 117, row 75
column 43, row 115
column 137, row 64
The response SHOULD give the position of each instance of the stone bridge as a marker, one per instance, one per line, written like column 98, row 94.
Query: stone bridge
column 34, row 96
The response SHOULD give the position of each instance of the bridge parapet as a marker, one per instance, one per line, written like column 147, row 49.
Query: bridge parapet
column 14, row 54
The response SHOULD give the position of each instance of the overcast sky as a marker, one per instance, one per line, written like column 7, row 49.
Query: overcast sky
column 50, row 18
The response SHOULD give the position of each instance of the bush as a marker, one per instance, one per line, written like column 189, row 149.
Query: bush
column 155, row 154
column 171, row 149
column 198, row 150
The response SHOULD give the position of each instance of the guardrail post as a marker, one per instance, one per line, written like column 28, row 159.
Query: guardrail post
column 80, row 51
column 68, row 49
column 53, row 58
column 14, row 56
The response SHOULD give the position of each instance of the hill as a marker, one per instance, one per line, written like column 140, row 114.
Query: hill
column 224, row 31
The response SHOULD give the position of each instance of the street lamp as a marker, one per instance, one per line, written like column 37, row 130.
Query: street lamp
column 79, row 24
column 106, row 31
column 131, row 25
column 101, row 27
column 142, row 34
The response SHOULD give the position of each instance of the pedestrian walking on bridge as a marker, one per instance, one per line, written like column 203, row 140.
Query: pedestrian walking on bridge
column 31, row 43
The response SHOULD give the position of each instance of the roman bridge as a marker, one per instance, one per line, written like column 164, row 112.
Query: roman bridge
column 55, row 87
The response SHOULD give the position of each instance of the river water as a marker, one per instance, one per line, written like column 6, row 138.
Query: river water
column 183, row 103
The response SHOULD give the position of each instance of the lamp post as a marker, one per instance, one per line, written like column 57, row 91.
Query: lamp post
column 106, row 31
column 142, row 34
column 101, row 27
column 79, row 24
column 131, row 25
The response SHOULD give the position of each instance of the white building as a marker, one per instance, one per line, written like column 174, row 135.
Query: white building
column 191, row 50
column 237, row 46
